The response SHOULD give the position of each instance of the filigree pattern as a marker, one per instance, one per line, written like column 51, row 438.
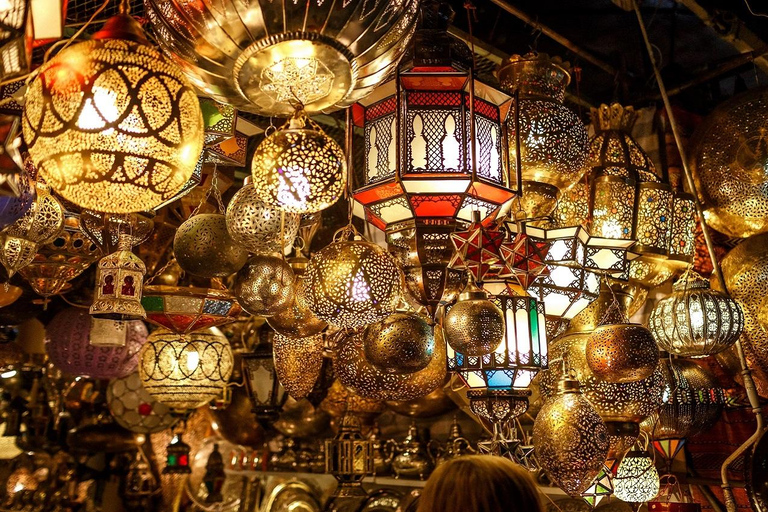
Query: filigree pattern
column 298, row 362
column 185, row 371
column 135, row 409
column 622, row 352
column 257, row 226
column 203, row 247
column 401, row 343
column 265, row 285
column 474, row 326
column 637, row 479
column 113, row 126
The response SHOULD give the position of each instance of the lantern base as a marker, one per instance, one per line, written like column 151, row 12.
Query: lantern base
column 498, row 405
column 117, row 309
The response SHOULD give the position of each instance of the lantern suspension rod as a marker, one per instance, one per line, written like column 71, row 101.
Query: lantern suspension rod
column 749, row 384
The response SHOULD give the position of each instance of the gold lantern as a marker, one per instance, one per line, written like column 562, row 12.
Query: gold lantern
column 552, row 138
column 130, row 139
column 622, row 352
column 474, row 326
column 202, row 246
column 297, row 320
column 265, row 285
column 352, row 283
column 348, row 457
column 185, row 371
column 571, row 439
column 696, row 321
column 299, row 168
column 298, row 362
column 258, row 226
column 119, row 280
column 637, row 479
column 401, row 343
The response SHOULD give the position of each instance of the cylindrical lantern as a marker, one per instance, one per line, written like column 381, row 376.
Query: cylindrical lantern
column 349, row 458
column 637, row 479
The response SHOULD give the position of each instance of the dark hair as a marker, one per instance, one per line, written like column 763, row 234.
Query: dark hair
column 480, row 483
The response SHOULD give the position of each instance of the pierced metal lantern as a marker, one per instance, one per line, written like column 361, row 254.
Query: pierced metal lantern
column 553, row 140
column 135, row 409
column 202, row 246
column 129, row 140
column 622, row 352
column 518, row 358
column 696, row 321
column 277, row 54
column 257, row 226
column 177, row 457
column 349, row 458
column 185, row 371
column 571, row 439
column 401, row 343
column 474, row 326
column 352, row 283
column 637, row 479
column 265, row 285
column 261, row 379
column 298, row 362
column 298, row 168
column 297, row 320
column 184, row 309
column 119, row 280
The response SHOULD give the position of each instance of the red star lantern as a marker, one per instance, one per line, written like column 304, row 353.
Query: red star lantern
column 524, row 258
column 478, row 251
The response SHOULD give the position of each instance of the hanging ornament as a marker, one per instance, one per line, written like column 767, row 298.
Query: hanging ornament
column 265, row 285
column 570, row 438
column 474, row 326
column 401, row 343
column 297, row 320
column 14, row 206
column 202, row 246
column 258, row 227
column 352, row 282
column 261, row 380
column 185, row 371
column 637, row 480
column 298, row 362
column 177, row 457
column 696, row 321
column 39, row 225
column 113, row 125
column 478, row 251
column 184, row 309
column 119, row 280
column 299, row 169
column 135, row 409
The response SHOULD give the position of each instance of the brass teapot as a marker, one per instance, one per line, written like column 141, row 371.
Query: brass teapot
column 455, row 446
column 413, row 459
column 383, row 451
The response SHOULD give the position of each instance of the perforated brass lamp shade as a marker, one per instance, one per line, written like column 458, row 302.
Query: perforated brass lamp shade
column 637, row 479
column 112, row 124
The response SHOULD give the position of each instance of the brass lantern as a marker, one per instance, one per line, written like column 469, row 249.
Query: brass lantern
column 637, row 479
column 261, row 379
column 474, row 325
column 119, row 280
column 298, row 363
column 553, row 140
column 348, row 457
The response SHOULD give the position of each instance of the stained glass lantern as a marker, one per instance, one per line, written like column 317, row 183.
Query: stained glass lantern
column 135, row 409
column 696, row 321
column 219, row 121
column 68, row 344
column 185, row 371
column 119, row 280
column 276, row 55
column 601, row 488
column 61, row 260
column 349, row 458
column 637, row 479
column 126, row 144
column 184, row 309
column 552, row 138
column 177, row 457
column 261, row 379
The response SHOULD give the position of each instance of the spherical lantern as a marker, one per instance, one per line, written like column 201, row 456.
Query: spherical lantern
column 203, row 247
column 474, row 326
column 622, row 352
column 258, row 227
column 265, row 285
column 401, row 343
column 68, row 343
column 275, row 55
column 637, row 479
column 570, row 439
column 111, row 124
column 728, row 158
column 696, row 321
column 553, row 140
column 352, row 283
column 13, row 207
column 299, row 169
column 297, row 320
column 185, row 371
column 354, row 371
column 298, row 362
column 135, row 409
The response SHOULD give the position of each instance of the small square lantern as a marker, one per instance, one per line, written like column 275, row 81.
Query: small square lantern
column 177, row 457
column 119, row 280
column 267, row 394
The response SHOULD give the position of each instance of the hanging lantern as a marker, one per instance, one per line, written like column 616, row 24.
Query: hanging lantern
column 356, row 372
column 68, row 344
column 474, row 326
column 622, row 352
column 177, row 457
column 119, row 279
column 349, row 458
column 299, row 169
column 41, row 223
column 202, row 246
column 352, row 283
column 261, row 379
column 58, row 262
column 601, row 488
column 12, row 207
column 107, row 229
column 570, row 438
column 498, row 406
column 298, row 362
column 220, row 120
column 265, row 285
column 135, row 409
column 185, row 371
column 258, row 227
column 141, row 485
column 696, row 321
column 637, row 479
column 184, row 309
column 553, row 140
column 325, row 65
column 401, row 343
column 108, row 147
column 573, row 205
column 520, row 356
column 297, row 320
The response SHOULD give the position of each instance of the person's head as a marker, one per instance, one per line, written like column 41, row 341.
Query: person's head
column 480, row 483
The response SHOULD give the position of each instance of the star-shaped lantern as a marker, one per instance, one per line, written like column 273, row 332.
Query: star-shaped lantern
column 478, row 251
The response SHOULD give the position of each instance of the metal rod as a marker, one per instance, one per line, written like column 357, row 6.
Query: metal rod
column 749, row 384
column 555, row 36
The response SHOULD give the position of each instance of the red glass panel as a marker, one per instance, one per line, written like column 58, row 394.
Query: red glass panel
column 435, row 205
column 379, row 192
